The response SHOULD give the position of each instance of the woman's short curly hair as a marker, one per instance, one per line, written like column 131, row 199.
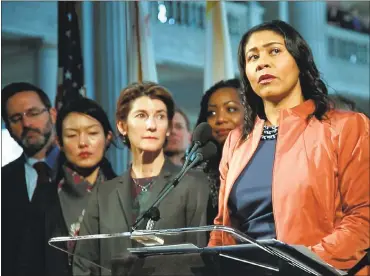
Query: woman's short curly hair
column 136, row 90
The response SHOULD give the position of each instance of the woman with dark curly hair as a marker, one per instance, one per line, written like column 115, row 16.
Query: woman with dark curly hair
column 222, row 109
column 297, row 170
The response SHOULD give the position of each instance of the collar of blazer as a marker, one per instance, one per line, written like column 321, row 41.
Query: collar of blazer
column 167, row 171
column 124, row 190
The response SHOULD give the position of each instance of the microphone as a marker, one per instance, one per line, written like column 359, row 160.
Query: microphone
column 204, row 153
column 201, row 135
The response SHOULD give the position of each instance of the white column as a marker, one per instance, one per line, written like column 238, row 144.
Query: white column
column 87, row 39
column 284, row 11
column 256, row 12
column 309, row 18
column 47, row 69
column 111, row 68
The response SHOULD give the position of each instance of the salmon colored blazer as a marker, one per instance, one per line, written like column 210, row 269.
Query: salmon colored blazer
column 320, row 183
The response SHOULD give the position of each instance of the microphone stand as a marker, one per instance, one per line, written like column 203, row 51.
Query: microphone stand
column 196, row 146
column 153, row 212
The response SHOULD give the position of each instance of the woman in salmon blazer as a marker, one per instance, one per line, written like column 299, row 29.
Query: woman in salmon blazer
column 298, row 169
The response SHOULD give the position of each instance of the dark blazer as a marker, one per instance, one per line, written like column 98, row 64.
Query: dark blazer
column 15, row 213
column 14, row 201
column 110, row 211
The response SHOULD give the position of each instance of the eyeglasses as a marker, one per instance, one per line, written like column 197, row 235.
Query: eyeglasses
column 30, row 113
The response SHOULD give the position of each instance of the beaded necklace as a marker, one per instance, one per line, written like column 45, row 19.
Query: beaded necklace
column 269, row 132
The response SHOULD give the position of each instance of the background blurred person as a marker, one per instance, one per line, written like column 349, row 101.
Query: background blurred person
column 84, row 135
column 27, row 183
column 222, row 109
column 297, row 170
column 144, row 113
column 179, row 139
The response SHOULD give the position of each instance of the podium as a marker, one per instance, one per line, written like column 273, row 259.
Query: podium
column 151, row 253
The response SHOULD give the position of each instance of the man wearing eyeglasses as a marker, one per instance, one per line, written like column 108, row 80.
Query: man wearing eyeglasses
column 28, row 189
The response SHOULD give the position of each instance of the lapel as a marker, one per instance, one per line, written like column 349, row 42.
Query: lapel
column 15, row 202
column 19, row 178
column 287, row 136
column 242, row 156
column 124, row 190
column 124, row 197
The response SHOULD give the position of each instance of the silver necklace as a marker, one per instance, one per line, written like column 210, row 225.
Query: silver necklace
column 142, row 187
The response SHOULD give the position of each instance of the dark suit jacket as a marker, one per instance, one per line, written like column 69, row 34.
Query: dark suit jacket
column 110, row 211
column 15, row 207
column 14, row 201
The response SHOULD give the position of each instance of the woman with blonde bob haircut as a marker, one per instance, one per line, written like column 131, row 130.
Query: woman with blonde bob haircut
column 298, row 169
column 144, row 114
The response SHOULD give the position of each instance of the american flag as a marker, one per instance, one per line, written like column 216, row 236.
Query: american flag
column 70, row 64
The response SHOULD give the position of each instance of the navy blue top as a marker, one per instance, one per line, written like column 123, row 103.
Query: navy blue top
column 250, row 198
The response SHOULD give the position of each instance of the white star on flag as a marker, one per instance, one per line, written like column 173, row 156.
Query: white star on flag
column 68, row 75
column 82, row 91
column 70, row 62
